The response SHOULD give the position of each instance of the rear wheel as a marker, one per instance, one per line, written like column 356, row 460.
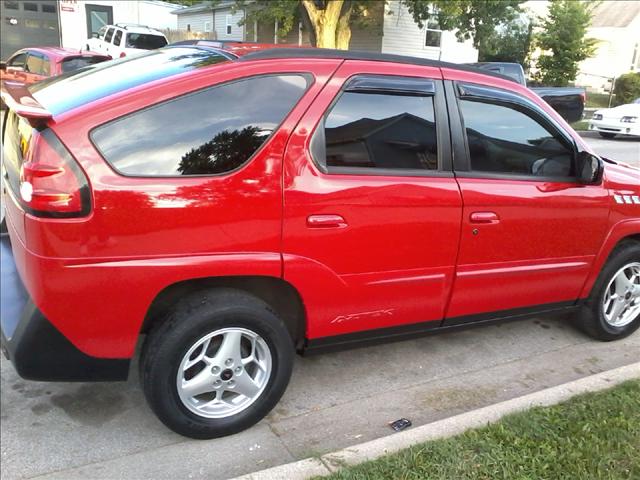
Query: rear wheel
column 607, row 134
column 217, row 365
column 613, row 309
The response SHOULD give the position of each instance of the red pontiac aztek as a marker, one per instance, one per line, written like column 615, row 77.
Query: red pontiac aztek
column 235, row 211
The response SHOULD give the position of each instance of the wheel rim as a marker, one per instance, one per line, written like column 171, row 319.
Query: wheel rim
column 224, row 372
column 621, row 303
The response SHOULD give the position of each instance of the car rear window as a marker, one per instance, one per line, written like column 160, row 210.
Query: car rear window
column 145, row 41
column 73, row 89
column 209, row 132
column 74, row 63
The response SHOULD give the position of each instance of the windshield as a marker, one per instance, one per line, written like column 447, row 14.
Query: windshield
column 145, row 41
column 74, row 63
column 76, row 88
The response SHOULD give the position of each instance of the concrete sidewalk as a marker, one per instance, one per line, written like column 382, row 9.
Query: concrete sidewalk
column 86, row 431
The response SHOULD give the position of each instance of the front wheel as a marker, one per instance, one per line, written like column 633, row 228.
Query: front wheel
column 613, row 309
column 217, row 365
column 607, row 134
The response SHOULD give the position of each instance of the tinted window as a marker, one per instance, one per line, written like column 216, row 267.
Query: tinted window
column 145, row 41
column 109, row 35
column 208, row 132
column 30, row 6
column 505, row 140
column 117, row 38
column 18, row 61
column 68, row 91
column 70, row 64
column 48, row 8
column 381, row 131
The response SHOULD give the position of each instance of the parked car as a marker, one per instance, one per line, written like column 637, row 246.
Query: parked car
column 31, row 65
column 620, row 120
column 567, row 101
column 238, row 211
column 124, row 39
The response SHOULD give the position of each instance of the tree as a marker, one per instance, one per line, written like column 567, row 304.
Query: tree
column 331, row 20
column 472, row 19
column 510, row 42
column 627, row 88
column 563, row 41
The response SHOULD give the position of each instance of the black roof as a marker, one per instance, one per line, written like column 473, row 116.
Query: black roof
column 280, row 53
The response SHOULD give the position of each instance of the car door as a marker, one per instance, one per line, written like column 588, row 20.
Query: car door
column 371, row 208
column 117, row 43
column 108, row 38
column 530, row 230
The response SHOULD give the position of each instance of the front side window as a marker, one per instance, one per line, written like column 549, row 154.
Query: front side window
column 381, row 131
column 504, row 139
column 210, row 132
column 102, row 32
column 109, row 35
column 37, row 64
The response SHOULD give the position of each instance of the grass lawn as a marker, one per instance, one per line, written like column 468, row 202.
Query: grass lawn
column 599, row 100
column 592, row 436
column 580, row 125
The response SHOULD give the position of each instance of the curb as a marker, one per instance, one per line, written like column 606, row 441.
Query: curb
column 448, row 427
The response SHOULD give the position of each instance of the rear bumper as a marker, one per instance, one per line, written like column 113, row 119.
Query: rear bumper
column 37, row 349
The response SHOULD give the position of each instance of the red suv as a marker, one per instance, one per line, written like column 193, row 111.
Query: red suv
column 237, row 211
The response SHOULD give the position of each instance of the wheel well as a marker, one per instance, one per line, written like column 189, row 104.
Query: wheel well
column 280, row 295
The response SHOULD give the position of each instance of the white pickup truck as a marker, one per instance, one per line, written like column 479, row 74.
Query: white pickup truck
column 123, row 39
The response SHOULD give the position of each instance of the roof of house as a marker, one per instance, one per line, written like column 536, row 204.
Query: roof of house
column 615, row 14
column 204, row 7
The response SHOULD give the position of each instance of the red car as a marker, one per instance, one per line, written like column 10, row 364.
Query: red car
column 237, row 211
column 33, row 64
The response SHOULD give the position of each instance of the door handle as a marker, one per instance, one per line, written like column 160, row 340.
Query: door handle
column 490, row 218
column 326, row 221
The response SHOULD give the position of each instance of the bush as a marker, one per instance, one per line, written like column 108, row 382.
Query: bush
column 627, row 88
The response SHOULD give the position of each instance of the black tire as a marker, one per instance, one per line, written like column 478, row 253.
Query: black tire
column 592, row 320
column 192, row 318
column 607, row 134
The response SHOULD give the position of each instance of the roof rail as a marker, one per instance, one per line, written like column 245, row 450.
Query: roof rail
column 279, row 53
column 127, row 25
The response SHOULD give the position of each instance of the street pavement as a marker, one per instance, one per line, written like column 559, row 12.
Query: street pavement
column 624, row 149
column 85, row 431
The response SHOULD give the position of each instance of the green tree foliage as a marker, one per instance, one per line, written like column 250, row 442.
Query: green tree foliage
column 510, row 42
column 563, row 41
column 627, row 88
column 472, row 19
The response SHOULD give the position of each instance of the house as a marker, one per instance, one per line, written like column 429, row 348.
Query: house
column 616, row 27
column 389, row 29
column 79, row 19
column 27, row 24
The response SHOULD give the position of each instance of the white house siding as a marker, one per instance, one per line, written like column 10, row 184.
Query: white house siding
column 73, row 20
column 195, row 22
column 237, row 31
column 402, row 36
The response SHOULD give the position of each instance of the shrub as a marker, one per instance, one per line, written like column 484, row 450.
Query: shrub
column 627, row 88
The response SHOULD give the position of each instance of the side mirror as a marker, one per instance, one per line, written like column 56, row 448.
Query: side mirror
column 3, row 66
column 590, row 168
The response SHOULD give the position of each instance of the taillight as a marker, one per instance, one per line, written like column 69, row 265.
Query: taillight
column 583, row 95
column 122, row 55
column 51, row 182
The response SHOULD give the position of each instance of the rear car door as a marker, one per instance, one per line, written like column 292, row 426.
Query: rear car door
column 371, row 208
column 530, row 231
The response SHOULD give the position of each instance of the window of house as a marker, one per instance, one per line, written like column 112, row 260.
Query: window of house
column 635, row 60
column 30, row 6
column 47, row 8
column 504, row 139
column 433, row 36
column 117, row 38
column 229, row 19
column 109, row 35
column 11, row 4
column 379, row 130
column 207, row 26
column 210, row 132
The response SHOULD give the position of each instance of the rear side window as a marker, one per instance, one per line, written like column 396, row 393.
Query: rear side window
column 37, row 64
column 145, row 41
column 18, row 61
column 117, row 38
column 210, row 132
column 109, row 35
column 505, row 140
column 381, row 131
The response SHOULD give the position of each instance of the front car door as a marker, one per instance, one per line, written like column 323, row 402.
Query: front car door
column 15, row 67
column 530, row 230
column 371, row 208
